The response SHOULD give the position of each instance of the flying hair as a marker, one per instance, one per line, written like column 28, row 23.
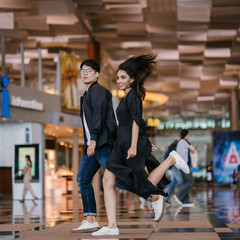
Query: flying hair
column 139, row 68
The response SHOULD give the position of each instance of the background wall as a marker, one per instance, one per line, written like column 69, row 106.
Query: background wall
column 15, row 133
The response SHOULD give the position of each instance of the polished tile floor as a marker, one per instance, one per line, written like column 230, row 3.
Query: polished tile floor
column 216, row 215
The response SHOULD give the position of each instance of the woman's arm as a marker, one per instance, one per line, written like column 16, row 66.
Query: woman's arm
column 132, row 151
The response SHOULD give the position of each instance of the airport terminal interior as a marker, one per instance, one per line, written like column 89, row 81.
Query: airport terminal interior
column 195, row 86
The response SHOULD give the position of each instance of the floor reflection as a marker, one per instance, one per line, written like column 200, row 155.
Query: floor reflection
column 216, row 210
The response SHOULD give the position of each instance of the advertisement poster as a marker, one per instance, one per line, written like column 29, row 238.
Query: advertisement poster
column 226, row 157
column 72, row 86
column 20, row 161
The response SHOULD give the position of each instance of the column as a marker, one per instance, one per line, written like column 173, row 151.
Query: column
column 43, row 159
column 94, row 50
column 22, row 65
column 40, row 69
column 75, row 167
column 3, row 56
column 234, row 110
column 58, row 79
column 67, row 156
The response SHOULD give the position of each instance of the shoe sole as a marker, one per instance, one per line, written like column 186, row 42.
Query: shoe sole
column 177, row 200
column 88, row 230
column 187, row 205
column 107, row 234
column 160, row 217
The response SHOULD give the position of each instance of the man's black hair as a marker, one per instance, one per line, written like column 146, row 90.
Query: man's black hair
column 184, row 133
column 91, row 63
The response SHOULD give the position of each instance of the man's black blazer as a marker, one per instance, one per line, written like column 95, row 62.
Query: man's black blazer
column 99, row 114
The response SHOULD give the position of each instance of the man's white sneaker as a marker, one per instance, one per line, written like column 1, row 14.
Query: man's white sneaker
column 86, row 227
column 177, row 200
column 180, row 163
column 190, row 204
column 106, row 231
column 158, row 208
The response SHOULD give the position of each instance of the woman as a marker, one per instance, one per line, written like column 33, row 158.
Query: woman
column 27, row 178
column 132, row 149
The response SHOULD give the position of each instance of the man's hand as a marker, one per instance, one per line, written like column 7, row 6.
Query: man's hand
column 91, row 148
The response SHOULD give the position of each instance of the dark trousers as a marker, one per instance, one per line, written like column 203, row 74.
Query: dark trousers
column 183, row 192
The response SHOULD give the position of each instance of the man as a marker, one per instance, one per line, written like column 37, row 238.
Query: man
column 183, row 149
column 176, row 177
column 99, row 126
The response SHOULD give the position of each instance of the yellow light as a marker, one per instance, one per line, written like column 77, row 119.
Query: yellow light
column 153, row 122
column 61, row 143
column 150, row 96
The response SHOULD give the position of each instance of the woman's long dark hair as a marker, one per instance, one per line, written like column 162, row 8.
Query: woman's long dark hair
column 139, row 68
column 29, row 160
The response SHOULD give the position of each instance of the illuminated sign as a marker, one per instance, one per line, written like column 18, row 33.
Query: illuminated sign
column 153, row 122
column 4, row 98
column 29, row 104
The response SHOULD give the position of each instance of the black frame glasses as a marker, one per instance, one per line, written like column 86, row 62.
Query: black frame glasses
column 88, row 70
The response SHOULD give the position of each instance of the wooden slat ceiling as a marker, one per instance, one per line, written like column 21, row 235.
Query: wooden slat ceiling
column 197, row 42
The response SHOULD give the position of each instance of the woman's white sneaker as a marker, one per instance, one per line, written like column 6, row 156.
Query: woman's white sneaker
column 106, row 231
column 158, row 208
column 180, row 163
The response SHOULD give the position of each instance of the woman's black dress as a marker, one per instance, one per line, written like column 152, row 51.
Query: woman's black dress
column 132, row 171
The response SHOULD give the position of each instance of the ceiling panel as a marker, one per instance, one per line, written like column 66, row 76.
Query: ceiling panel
column 32, row 23
column 197, row 42
column 53, row 7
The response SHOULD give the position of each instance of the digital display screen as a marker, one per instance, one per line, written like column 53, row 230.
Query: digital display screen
column 20, row 161
column 226, row 156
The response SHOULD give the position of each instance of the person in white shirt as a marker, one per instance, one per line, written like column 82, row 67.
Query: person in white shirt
column 183, row 149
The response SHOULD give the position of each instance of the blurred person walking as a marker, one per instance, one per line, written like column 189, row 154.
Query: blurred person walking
column 176, row 177
column 27, row 177
column 183, row 149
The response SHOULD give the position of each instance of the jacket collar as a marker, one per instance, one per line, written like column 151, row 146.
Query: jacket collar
column 94, row 83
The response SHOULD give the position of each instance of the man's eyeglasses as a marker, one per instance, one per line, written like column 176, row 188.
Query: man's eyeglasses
column 88, row 70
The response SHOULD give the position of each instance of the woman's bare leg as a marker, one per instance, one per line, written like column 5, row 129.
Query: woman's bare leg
column 156, row 175
column 109, row 180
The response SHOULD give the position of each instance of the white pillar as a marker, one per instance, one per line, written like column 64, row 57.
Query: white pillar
column 3, row 56
column 22, row 65
column 58, row 79
column 40, row 69
column 75, row 160
column 75, row 167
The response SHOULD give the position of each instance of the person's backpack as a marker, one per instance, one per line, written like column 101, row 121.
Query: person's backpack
column 172, row 147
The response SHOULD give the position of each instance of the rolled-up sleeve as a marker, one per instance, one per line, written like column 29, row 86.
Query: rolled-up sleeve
column 134, row 104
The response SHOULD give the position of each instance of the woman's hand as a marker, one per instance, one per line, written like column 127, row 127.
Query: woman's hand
column 154, row 148
column 132, row 152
